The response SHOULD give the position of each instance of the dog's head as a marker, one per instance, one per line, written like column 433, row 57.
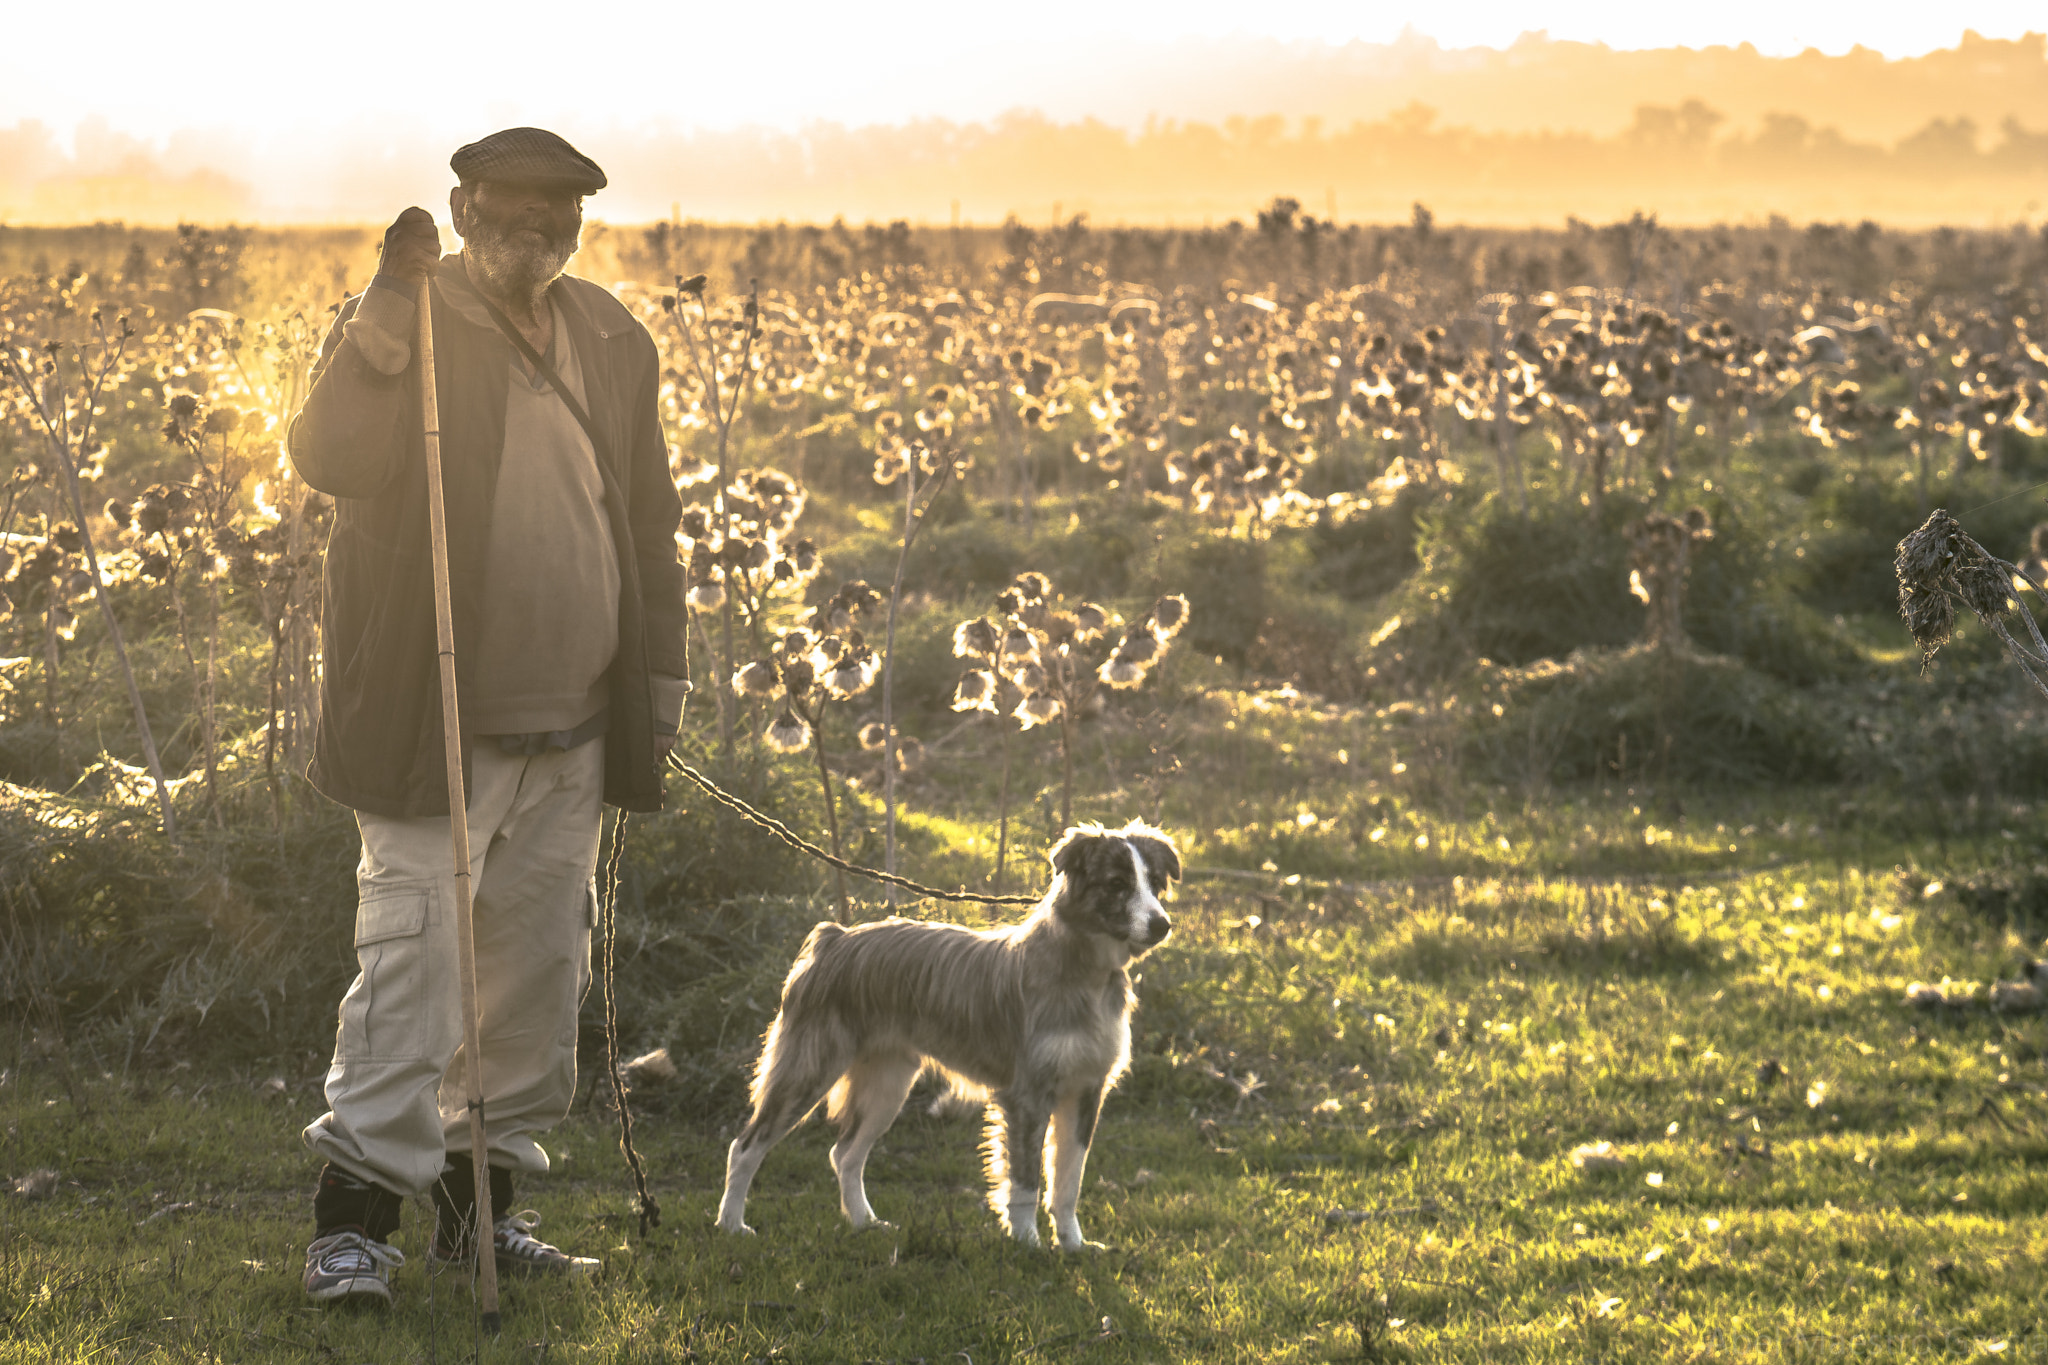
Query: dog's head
column 1111, row 880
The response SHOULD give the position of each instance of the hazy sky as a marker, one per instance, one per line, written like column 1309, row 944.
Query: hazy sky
column 258, row 70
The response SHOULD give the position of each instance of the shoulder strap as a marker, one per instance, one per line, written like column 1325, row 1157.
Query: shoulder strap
column 547, row 372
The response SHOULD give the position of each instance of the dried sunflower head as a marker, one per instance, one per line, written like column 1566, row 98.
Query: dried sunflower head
column 797, row 675
column 976, row 691
column 975, row 639
column 857, row 596
column 1985, row 585
column 756, row 679
column 1938, row 565
column 789, row 733
column 853, row 674
column 1037, row 709
column 1169, row 614
column 1118, row 671
column 152, row 515
column 1140, row 646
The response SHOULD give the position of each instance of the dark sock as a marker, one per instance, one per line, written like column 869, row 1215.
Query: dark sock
column 455, row 1199
column 343, row 1201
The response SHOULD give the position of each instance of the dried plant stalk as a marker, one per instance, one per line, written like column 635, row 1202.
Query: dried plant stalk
column 1940, row 567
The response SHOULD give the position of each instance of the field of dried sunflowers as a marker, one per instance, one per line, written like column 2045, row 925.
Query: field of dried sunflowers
column 1505, row 624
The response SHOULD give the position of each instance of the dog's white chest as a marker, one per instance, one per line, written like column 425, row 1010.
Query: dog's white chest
column 1081, row 1054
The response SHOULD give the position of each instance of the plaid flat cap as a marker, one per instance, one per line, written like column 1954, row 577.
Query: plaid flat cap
column 527, row 156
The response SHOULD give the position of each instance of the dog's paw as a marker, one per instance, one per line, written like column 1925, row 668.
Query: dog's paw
column 736, row 1227
column 875, row 1225
column 1080, row 1244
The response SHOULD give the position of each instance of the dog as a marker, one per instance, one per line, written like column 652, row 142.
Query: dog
column 1034, row 1020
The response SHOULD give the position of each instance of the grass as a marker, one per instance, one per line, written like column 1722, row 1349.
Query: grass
column 1346, row 1135
column 1398, row 996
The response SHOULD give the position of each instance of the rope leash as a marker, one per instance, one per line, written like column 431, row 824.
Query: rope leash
column 608, row 928
column 798, row 842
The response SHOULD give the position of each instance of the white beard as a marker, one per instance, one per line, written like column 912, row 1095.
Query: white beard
column 518, row 265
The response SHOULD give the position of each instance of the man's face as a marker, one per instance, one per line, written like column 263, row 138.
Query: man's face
column 522, row 235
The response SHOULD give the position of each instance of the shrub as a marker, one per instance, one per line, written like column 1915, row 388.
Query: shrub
column 1314, row 642
column 238, row 939
column 1969, row 727
column 1363, row 552
column 1667, row 714
column 1496, row 585
column 1224, row 580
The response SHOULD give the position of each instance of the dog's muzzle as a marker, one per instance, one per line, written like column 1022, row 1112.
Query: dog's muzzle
column 1157, row 927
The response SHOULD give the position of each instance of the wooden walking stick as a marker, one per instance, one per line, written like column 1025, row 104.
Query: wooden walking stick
column 458, row 822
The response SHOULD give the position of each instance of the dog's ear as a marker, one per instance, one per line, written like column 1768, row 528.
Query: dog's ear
column 1162, row 860
column 1070, row 854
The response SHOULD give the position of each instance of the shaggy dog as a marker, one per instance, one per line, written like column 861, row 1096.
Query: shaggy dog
column 1033, row 1019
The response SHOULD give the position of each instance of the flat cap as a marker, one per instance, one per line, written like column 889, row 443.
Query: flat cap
column 527, row 156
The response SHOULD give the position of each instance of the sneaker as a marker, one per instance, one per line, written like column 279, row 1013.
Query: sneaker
column 346, row 1265
column 519, row 1251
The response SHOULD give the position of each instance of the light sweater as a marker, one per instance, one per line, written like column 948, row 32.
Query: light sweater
column 549, row 624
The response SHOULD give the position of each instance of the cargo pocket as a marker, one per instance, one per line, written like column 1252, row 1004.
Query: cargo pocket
column 384, row 1016
column 584, row 976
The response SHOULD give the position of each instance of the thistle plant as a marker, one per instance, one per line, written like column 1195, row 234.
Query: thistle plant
column 1239, row 479
column 1499, row 389
column 1037, row 399
column 197, row 527
column 810, row 666
column 1041, row 663
column 263, row 370
column 720, row 351
column 925, row 465
column 45, row 582
column 62, row 409
column 751, row 554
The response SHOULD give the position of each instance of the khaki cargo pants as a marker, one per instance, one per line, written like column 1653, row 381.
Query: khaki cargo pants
column 395, row 1088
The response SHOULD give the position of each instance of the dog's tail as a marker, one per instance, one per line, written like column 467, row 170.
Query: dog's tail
column 802, row 973
column 822, row 936
column 794, row 988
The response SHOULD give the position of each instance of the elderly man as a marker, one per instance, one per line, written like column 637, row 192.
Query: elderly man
column 569, row 654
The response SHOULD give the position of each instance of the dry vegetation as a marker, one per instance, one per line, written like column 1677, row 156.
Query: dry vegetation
column 1504, row 623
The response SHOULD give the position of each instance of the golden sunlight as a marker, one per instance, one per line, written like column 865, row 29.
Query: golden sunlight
column 1135, row 112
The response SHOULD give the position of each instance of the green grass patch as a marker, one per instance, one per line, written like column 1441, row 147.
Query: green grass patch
column 1347, row 1132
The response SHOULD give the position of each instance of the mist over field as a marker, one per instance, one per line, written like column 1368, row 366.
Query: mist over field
column 1184, row 132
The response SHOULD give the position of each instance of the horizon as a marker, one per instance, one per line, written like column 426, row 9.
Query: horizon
column 1329, row 119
